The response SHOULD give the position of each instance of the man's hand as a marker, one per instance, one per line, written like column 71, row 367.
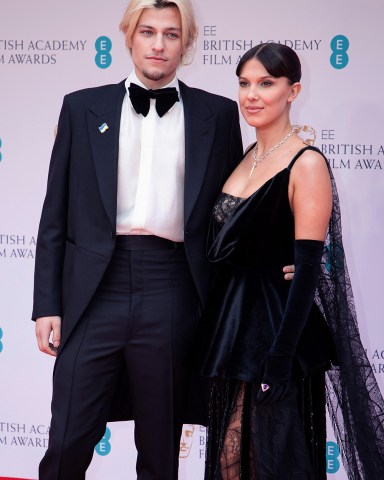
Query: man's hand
column 289, row 271
column 48, row 328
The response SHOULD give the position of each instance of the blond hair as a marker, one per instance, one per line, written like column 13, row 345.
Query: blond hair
column 188, row 22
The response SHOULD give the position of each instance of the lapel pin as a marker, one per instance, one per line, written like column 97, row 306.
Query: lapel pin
column 103, row 128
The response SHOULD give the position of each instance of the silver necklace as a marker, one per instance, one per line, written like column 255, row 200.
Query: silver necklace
column 257, row 160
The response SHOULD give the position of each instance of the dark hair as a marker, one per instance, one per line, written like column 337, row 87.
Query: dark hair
column 279, row 60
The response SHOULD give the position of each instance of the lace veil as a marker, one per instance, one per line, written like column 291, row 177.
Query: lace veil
column 354, row 401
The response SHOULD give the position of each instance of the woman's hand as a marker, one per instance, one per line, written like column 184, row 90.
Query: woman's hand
column 289, row 271
column 277, row 378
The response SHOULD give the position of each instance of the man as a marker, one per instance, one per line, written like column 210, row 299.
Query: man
column 121, row 274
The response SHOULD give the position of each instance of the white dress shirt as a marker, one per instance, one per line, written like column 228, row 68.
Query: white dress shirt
column 151, row 167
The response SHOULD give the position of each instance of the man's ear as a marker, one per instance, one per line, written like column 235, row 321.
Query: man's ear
column 128, row 42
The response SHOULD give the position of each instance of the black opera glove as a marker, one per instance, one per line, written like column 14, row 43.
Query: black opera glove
column 277, row 374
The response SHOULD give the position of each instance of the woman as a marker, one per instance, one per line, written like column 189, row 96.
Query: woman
column 267, row 344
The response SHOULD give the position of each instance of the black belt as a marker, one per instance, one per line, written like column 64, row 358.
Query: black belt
column 146, row 242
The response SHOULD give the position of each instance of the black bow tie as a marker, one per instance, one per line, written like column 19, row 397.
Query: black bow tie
column 165, row 99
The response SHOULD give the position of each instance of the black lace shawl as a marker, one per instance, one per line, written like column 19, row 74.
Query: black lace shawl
column 354, row 401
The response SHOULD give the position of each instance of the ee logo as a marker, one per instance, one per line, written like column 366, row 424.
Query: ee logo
column 332, row 455
column 103, row 448
column 103, row 58
column 334, row 257
column 339, row 46
column 1, row 343
column 1, row 156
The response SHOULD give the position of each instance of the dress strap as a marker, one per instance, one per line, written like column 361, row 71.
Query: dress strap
column 300, row 152
column 249, row 149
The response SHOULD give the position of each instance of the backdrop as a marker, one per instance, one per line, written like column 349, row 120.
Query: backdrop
column 49, row 48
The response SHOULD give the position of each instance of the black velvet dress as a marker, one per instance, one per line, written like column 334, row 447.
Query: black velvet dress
column 251, row 240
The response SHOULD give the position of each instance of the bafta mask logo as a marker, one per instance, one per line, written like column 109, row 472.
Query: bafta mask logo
column 308, row 133
column 186, row 440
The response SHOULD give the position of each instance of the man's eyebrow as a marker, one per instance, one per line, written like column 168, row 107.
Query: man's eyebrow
column 152, row 28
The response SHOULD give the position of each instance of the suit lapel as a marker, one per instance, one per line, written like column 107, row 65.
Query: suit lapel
column 200, row 126
column 104, row 127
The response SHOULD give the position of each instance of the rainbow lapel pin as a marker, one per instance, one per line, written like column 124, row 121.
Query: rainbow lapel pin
column 103, row 128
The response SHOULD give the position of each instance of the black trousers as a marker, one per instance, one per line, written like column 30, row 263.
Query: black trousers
column 143, row 317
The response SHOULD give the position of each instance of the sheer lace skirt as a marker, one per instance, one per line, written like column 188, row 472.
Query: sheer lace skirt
column 281, row 441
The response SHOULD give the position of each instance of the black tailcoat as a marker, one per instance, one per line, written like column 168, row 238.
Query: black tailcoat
column 76, row 236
